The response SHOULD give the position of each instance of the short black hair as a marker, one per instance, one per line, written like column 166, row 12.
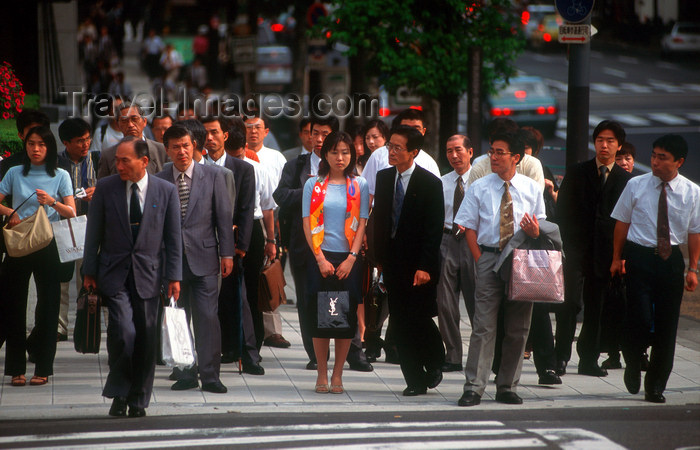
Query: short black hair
column 236, row 139
column 140, row 146
column 127, row 105
column 514, row 141
column 182, row 107
column 159, row 115
column 303, row 122
column 533, row 138
column 51, row 159
column 30, row 116
column 72, row 128
column 501, row 124
column 414, row 138
column 674, row 144
column 627, row 149
column 409, row 114
column 199, row 133
column 177, row 131
column 466, row 142
column 613, row 126
column 330, row 121
column 223, row 122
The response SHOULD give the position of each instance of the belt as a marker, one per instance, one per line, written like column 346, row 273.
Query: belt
column 487, row 249
column 447, row 230
column 648, row 250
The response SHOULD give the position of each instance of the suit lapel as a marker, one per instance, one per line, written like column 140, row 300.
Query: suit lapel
column 409, row 199
column 149, row 206
column 119, row 196
column 306, row 170
column 195, row 190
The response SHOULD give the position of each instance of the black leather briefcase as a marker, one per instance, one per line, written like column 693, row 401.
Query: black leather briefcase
column 87, row 332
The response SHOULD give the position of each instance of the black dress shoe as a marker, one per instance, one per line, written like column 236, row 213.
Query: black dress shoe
column 592, row 370
column 184, row 384
column 632, row 378
column 361, row 366
column 253, row 369
column 371, row 355
column 175, row 375
column 392, row 355
column 644, row 366
column 509, row 398
column 433, row 378
column 118, row 408
column 215, row 387
column 228, row 358
column 311, row 365
column 412, row 391
column 451, row 367
column 561, row 368
column 135, row 411
column 549, row 377
column 469, row 398
column 60, row 337
column 654, row 397
column 612, row 363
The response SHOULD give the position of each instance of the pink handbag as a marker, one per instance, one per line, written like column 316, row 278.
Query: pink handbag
column 537, row 276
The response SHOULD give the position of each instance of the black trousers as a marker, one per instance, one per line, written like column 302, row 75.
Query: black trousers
column 654, row 294
column 542, row 338
column 588, row 345
column 235, row 318
column 577, row 286
column 298, row 269
column 16, row 272
column 252, row 264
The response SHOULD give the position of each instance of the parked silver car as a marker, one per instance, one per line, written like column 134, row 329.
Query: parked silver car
column 683, row 38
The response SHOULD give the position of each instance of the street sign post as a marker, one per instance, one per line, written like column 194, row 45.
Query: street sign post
column 574, row 11
column 574, row 33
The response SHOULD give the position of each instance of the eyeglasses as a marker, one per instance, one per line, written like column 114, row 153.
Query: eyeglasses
column 133, row 119
column 498, row 153
column 394, row 148
column 252, row 126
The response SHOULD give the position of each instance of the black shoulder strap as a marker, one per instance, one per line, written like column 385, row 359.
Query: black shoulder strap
column 103, row 129
column 20, row 205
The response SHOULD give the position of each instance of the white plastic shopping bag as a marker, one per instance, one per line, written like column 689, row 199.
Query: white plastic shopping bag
column 70, row 237
column 178, row 348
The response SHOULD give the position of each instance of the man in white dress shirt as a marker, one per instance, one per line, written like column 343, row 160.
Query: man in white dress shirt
column 495, row 207
column 457, row 273
column 655, row 214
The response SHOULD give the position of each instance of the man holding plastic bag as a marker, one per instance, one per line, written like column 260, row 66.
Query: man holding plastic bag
column 132, row 217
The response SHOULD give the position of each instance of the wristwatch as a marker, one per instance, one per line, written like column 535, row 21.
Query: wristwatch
column 695, row 271
column 353, row 254
column 54, row 203
column 270, row 241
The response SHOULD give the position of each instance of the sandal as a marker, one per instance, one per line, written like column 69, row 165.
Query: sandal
column 322, row 389
column 19, row 380
column 38, row 381
column 337, row 389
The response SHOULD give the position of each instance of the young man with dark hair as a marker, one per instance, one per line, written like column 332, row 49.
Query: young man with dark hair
column 159, row 124
column 655, row 214
column 586, row 198
column 306, row 146
column 518, row 203
column 408, row 224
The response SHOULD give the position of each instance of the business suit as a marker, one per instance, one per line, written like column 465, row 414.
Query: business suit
column 583, row 214
column 207, row 234
column 128, row 273
column 156, row 158
column 415, row 246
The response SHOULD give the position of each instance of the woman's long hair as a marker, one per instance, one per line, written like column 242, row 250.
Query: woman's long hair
column 331, row 142
column 51, row 159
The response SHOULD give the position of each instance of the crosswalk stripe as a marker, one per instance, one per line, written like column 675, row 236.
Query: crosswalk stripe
column 668, row 119
column 692, row 87
column 668, row 87
column 693, row 116
column 576, row 438
column 631, row 119
column 636, row 88
column 615, row 72
column 514, row 443
column 604, row 88
column 594, row 120
column 628, row 60
column 556, row 84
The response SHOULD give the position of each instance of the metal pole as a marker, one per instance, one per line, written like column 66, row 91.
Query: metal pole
column 578, row 102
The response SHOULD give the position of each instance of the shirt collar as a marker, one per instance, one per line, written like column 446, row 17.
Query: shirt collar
column 673, row 184
column 408, row 172
column 609, row 166
column 142, row 183
column 67, row 156
column 188, row 171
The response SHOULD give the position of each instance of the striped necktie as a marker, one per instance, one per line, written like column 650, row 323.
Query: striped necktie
column 663, row 232
column 398, row 203
column 506, row 227
column 184, row 192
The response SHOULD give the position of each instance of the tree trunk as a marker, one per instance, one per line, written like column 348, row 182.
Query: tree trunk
column 358, row 85
column 431, row 114
column 448, row 126
column 474, row 99
column 300, row 52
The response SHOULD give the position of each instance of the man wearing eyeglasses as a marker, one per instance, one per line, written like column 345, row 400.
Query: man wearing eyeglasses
column 131, row 122
column 494, row 208
column 408, row 222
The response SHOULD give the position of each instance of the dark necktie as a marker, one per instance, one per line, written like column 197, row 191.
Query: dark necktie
column 135, row 211
column 398, row 203
column 663, row 234
column 603, row 176
column 184, row 193
column 457, row 201
column 506, row 227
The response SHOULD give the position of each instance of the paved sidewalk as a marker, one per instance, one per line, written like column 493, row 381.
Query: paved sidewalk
column 75, row 389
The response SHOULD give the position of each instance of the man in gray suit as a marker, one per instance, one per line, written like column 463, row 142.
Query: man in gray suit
column 132, row 216
column 207, row 236
column 132, row 122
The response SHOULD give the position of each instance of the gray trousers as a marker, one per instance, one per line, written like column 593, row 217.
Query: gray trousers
column 489, row 298
column 456, row 276
column 65, row 297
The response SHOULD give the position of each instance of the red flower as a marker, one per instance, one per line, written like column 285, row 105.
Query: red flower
column 5, row 115
column 7, row 76
column 12, row 84
column 7, row 105
column 19, row 110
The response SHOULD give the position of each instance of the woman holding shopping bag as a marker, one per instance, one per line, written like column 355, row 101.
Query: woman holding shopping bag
column 335, row 208
column 37, row 183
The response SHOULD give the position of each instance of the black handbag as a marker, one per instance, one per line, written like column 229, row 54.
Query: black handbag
column 333, row 310
column 87, row 332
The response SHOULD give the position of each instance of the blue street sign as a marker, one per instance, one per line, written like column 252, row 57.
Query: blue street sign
column 574, row 11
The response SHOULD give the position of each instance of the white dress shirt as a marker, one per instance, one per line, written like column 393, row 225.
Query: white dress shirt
column 141, row 192
column 263, row 189
column 274, row 162
column 449, row 182
column 405, row 177
column 314, row 161
column 379, row 159
column 480, row 210
column 188, row 174
column 529, row 166
column 221, row 162
column 638, row 206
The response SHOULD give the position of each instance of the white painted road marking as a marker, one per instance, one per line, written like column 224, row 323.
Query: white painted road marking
column 615, row 72
column 631, row 119
column 668, row 119
column 604, row 88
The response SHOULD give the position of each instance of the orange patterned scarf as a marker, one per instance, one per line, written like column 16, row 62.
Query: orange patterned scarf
column 352, row 213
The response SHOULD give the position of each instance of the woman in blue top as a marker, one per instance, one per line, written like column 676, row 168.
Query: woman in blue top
column 335, row 208
column 37, row 175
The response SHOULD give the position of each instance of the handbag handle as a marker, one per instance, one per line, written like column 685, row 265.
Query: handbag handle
column 20, row 205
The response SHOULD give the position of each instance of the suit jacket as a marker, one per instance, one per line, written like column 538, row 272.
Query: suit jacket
column 583, row 214
column 110, row 251
column 156, row 158
column 65, row 163
column 244, row 177
column 416, row 245
column 288, row 196
column 228, row 177
column 207, row 228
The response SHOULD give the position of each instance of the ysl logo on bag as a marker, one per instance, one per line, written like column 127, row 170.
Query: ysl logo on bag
column 332, row 303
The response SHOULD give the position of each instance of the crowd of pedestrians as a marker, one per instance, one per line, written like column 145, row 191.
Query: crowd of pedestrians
column 191, row 207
